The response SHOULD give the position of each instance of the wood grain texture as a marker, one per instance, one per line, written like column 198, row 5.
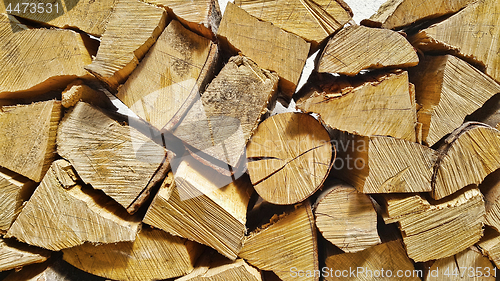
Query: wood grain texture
column 490, row 245
column 154, row 255
column 35, row 61
column 28, row 139
column 15, row 255
column 269, row 46
column 355, row 48
column 114, row 158
column 490, row 187
column 78, row 91
column 289, row 157
column 132, row 29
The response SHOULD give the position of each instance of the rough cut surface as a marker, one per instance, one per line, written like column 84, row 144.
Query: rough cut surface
column 15, row 255
column 218, row 269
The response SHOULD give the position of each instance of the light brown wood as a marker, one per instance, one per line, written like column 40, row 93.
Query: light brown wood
column 28, row 139
column 448, row 89
column 15, row 255
column 395, row 14
column 56, row 217
column 346, row 218
column 445, row 227
column 490, row 187
column 472, row 33
column 132, row 29
column 154, row 255
column 289, row 157
column 35, row 61
column 490, row 245
column 355, row 48
column 286, row 244
column 114, row 158
column 374, row 105
column 269, row 46
column 468, row 155
column 78, row 91
column 181, row 205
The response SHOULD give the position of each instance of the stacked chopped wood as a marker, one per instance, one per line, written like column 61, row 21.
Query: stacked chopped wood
column 140, row 141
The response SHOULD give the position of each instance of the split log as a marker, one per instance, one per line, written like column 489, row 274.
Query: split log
column 14, row 191
column 469, row 264
column 34, row 61
column 312, row 20
column 383, row 164
column 355, row 48
column 153, row 255
column 490, row 187
column 396, row 14
column 14, row 255
column 116, row 159
column 134, row 26
column 471, row 33
column 289, row 157
column 490, row 245
column 346, row 218
column 376, row 105
column 77, row 91
column 468, row 155
column 288, row 243
column 448, row 89
column 28, row 139
column 181, row 205
column 445, row 227
column 386, row 260
column 269, row 46
column 58, row 217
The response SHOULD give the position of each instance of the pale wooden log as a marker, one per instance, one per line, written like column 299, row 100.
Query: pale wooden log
column 490, row 187
column 445, row 227
column 114, row 158
column 355, row 48
column 269, row 46
column 289, row 157
column 181, row 205
column 56, row 217
column 288, row 241
column 28, row 139
column 14, row 191
column 467, row 156
column 469, row 264
column 153, row 255
column 380, row 105
column 312, row 20
column 367, row 264
column 490, row 245
column 15, row 255
column 448, row 89
column 89, row 16
column 34, row 61
column 383, row 164
column 346, row 218
column 395, row 14
column 132, row 29
column 471, row 33
column 77, row 91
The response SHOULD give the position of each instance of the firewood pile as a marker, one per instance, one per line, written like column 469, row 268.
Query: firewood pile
column 139, row 140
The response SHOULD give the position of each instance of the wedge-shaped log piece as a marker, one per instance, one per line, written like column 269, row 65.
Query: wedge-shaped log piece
column 288, row 242
column 89, row 16
column 35, row 61
column 490, row 245
column 14, row 191
column 180, row 207
column 154, row 255
column 132, row 29
column 445, row 227
column 16, row 255
column 56, row 217
column 395, row 14
column 468, row 155
column 368, row 264
column 491, row 190
column 77, row 91
column 448, row 89
column 289, row 157
column 114, row 158
column 383, row 164
column 471, row 33
column 346, row 218
column 312, row 20
column 28, row 139
column 269, row 46
column 356, row 48
column 376, row 105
